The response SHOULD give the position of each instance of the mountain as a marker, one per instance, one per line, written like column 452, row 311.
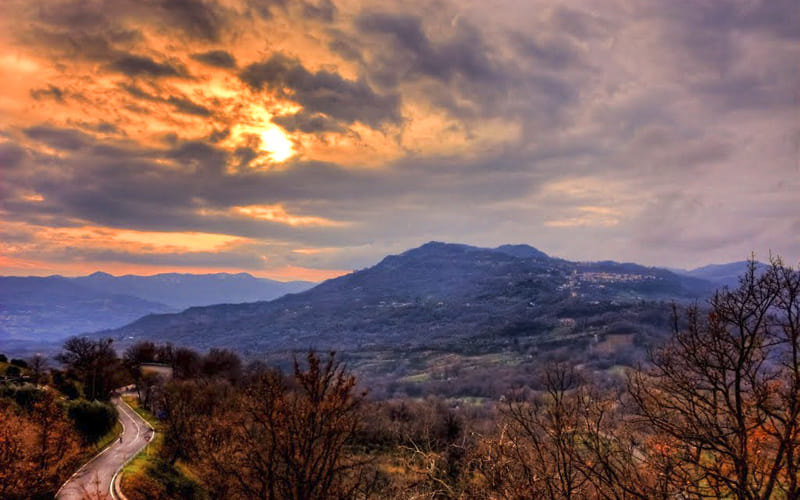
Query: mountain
column 34, row 309
column 522, row 251
column 438, row 296
column 44, row 309
column 722, row 274
column 180, row 291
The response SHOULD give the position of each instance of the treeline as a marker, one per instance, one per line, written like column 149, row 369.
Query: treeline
column 715, row 413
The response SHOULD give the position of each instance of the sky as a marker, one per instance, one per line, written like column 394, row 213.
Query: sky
column 297, row 139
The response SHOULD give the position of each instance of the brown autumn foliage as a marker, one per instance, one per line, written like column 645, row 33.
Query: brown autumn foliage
column 282, row 439
column 535, row 454
column 716, row 413
column 724, row 395
column 38, row 449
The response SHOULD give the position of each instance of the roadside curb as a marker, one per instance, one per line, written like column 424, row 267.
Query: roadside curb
column 114, row 488
column 86, row 464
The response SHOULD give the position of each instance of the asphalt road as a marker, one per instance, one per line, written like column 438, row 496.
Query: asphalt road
column 97, row 474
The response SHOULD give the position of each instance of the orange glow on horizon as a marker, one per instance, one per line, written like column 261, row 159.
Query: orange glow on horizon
column 19, row 267
column 150, row 241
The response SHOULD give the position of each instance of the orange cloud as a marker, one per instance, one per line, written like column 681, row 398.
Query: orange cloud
column 33, row 197
column 276, row 213
column 96, row 237
column 314, row 251
column 21, row 267
column 590, row 216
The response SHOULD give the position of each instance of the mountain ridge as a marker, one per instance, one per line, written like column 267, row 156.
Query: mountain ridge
column 427, row 295
column 183, row 290
column 53, row 307
column 723, row 275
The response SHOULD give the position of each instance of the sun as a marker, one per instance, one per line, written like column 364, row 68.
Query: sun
column 274, row 141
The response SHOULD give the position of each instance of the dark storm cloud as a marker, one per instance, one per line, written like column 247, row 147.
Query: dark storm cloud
column 197, row 18
column 307, row 123
column 138, row 92
column 414, row 53
column 752, row 91
column 458, row 68
column 59, row 138
column 188, row 107
column 779, row 18
column 244, row 155
column 554, row 53
column 218, row 58
column 219, row 135
column 580, row 24
column 346, row 46
column 323, row 10
column 99, row 46
column 11, row 155
column 50, row 91
column 102, row 127
column 323, row 91
column 81, row 14
column 136, row 65
column 710, row 33
column 263, row 8
column 181, row 104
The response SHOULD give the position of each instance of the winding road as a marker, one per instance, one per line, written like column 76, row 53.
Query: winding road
column 98, row 474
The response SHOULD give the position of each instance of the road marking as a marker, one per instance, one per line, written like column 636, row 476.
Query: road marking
column 129, row 413
column 111, row 487
column 108, row 447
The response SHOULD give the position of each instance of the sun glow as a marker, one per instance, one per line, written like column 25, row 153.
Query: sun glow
column 275, row 142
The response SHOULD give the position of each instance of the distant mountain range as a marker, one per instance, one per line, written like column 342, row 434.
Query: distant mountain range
column 53, row 307
column 721, row 274
column 440, row 295
column 180, row 291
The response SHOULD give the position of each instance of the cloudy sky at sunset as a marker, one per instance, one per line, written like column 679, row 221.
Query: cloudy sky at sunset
column 300, row 139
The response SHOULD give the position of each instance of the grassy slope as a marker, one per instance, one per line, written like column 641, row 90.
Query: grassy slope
column 147, row 476
column 148, row 455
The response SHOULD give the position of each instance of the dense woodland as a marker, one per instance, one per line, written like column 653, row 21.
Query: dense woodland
column 713, row 413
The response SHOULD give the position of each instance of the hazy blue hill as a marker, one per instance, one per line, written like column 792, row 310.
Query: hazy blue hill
column 446, row 295
column 186, row 290
column 722, row 274
column 35, row 309
column 42, row 309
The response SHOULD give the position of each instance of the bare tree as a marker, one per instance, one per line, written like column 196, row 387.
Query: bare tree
column 536, row 455
column 723, row 397
column 38, row 368
column 94, row 362
column 621, row 459
column 280, row 440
